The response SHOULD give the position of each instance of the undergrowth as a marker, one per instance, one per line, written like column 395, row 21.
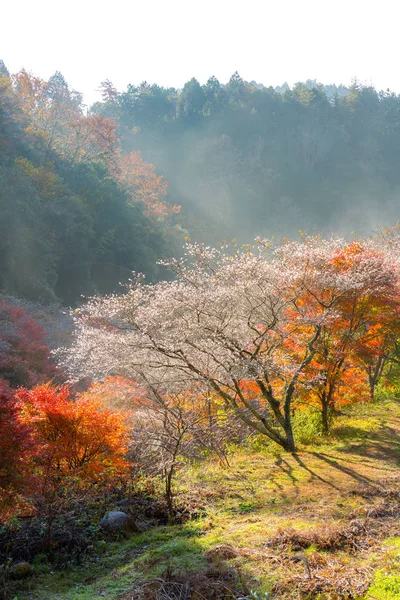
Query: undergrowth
column 319, row 524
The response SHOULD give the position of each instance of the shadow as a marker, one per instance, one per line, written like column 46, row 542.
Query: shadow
column 382, row 445
column 282, row 474
column 287, row 469
column 332, row 461
column 314, row 475
column 346, row 460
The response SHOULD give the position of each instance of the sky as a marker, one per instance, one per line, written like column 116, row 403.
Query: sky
column 170, row 41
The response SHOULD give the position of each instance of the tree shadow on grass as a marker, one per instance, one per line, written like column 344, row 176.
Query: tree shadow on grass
column 287, row 469
column 333, row 462
column 382, row 445
column 314, row 475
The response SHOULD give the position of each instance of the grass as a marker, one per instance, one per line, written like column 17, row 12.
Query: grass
column 114, row 572
column 317, row 524
column 386, row 582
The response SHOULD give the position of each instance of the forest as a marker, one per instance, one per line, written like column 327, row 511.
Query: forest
column 199, row 341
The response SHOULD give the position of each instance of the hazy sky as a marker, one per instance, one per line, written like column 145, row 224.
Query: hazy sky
column 170, row 41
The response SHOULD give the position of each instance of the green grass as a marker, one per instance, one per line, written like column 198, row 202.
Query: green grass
column 247, row 505
column 386, row 583
column 114, row 573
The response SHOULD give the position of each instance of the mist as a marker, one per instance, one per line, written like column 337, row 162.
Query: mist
column 239, row 159
column 244, row 160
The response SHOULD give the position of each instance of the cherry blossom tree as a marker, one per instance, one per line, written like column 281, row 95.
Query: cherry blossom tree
column 255, row 315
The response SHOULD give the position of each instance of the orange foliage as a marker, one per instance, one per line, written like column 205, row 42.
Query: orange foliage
column 143, row 184
column 59, row 123
column 56, row 120
column 78, row 438
column 356, row 338
column 16, row 452
column 52, row 446
column 92, row 137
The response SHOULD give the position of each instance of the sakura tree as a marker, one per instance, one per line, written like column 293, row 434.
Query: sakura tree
column 255, row 315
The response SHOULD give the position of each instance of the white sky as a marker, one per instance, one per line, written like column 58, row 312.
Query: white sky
column 169, row 41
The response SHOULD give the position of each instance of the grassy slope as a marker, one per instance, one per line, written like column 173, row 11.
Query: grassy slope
column 312, row 525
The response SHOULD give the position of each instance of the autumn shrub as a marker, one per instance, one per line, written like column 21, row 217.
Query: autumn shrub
column 25, row 358
column 16, row 452
column 73, row 453
column 79, row 440
column 64, row 458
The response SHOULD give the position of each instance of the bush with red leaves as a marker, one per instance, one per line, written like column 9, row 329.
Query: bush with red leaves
column 16, row 450
column 25, row 358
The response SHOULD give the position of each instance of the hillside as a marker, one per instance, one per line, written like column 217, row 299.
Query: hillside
column 69, row 225
column 98, row 193
column 244, row 159
column 319, row 524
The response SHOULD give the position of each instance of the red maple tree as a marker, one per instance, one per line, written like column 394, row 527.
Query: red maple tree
column 25, row 358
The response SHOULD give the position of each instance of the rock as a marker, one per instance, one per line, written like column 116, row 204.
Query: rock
column 21, row 570
column 116, row 520
column 223, row 551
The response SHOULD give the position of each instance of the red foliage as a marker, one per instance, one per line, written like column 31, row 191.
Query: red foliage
column 15, row 451
column 24, row 355
column 52, row 446
column 76, row 438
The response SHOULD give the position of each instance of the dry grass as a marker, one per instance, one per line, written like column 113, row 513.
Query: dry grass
column 211, row 584
column 311, row 525
column 306, row 526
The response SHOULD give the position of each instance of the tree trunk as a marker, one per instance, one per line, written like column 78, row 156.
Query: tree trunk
column 371, row 388
column 290, row 445
column 169, row 495
column 374, row 374
column 325, row 413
